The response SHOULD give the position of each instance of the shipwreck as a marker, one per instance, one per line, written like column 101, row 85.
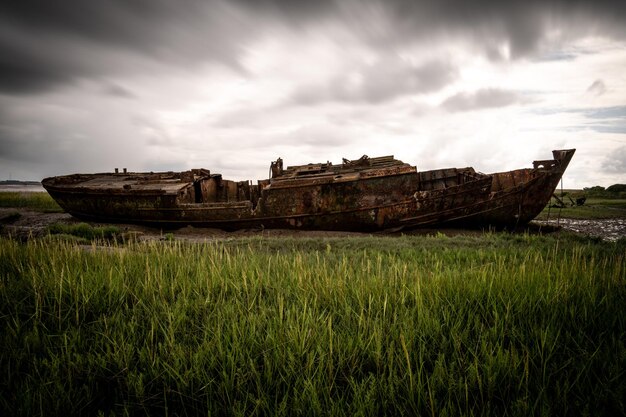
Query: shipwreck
column 365, row 194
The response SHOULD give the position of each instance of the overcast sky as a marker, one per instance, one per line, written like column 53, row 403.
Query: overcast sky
column 150, row 85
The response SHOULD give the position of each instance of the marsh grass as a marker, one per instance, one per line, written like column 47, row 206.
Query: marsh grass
column 487, row 325
column 594, row 208
column 85, row 231
column 32, row 200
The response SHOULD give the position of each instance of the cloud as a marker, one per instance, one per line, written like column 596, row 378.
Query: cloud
column 150, row 27
column 249, row 117
column 605, row 119
column 481, row 99
column 30, row 144
column 613, row 112
column 522, row 26
column 597, row 88
column 611, row 119
column 141, row 83
column 154, row 133
column 615, row 162
column 52, row 137
column 116, row 90
column 319, row 135
column 47, row 44
column 389, row 77
column 297, row 9
column 28, row 66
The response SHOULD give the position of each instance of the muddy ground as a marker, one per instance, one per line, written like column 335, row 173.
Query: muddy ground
column 23, row 224
column 29, row 223
column 607, row 229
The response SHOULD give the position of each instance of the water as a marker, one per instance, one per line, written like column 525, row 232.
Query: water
column 607, row 229
column 22, row 188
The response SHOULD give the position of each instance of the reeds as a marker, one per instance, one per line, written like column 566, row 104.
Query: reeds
column 26, row 199
column 491, row 325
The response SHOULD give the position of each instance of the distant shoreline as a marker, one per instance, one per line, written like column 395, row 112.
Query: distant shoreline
column 17, row 182
column 21, row 186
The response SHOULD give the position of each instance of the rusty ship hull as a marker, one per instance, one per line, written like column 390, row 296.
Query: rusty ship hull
column 518, row 196
column 362, row 195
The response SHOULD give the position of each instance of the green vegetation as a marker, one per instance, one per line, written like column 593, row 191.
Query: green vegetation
column 485, row 325
column 613, row 191
column 594, row 208
column 599, row 203
column 85, row 231
column 31, row 200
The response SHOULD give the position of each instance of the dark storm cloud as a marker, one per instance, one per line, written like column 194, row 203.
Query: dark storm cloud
column 27, row 66
column 134, row 24
column 39, row 39
column 522, row 24
column 481, row 99
column 298, row 9
column 43, row 44
column 27, row 145
column 387, row 79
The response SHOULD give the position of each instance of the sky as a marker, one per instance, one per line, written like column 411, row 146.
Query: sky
column 157, row 85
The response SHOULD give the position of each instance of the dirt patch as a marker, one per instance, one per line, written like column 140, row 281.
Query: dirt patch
column 23, row 224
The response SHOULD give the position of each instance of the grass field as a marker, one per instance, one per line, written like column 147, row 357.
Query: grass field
column 594, row 208
column 31, row 200
column 496, row 324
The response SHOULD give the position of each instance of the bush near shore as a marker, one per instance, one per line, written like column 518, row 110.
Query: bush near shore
column 496, row 325
column 612, row 191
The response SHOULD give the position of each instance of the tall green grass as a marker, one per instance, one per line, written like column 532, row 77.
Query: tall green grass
column 86, row 231
column 32, row 200
column 492, row 325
